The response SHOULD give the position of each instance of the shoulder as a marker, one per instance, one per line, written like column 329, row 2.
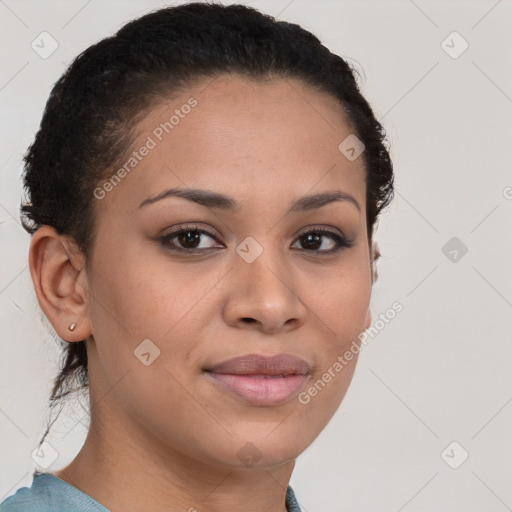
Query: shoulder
column 49, row 494
column 33, row 498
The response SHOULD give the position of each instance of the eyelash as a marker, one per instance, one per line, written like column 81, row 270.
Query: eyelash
column 341, row 242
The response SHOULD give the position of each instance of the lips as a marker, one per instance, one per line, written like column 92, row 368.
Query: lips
column 254, row 364
column 261, row 380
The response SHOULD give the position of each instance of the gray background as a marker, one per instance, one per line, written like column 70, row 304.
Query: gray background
column 441, row 370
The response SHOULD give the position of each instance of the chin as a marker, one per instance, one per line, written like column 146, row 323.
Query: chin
column 261, row 452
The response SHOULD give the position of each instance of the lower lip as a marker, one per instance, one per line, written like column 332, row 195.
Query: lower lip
column 259, row 389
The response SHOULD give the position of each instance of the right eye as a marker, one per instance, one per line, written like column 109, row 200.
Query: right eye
column 188, row 238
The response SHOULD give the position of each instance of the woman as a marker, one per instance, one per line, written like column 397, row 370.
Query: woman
column 203, row 193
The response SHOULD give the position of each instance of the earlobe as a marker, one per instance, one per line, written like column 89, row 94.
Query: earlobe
column 59, row 279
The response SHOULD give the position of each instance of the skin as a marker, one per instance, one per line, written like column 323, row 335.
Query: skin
column 164, row 433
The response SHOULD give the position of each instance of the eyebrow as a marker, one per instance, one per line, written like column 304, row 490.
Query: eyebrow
column 212, row 199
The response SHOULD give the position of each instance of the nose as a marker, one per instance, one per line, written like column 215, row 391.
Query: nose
column 264, row 295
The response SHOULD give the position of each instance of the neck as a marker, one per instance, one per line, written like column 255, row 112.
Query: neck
column 125, row 469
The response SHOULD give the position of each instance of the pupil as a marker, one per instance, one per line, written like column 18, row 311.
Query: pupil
column 316, row 240
column 185, row 239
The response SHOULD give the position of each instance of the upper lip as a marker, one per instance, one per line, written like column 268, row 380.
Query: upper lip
column 255, row 364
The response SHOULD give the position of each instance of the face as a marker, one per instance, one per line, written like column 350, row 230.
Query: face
column 181, row 284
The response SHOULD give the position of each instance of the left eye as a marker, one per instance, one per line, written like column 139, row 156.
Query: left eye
column 313, row 240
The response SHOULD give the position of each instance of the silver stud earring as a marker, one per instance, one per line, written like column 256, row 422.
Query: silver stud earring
column 72, row 327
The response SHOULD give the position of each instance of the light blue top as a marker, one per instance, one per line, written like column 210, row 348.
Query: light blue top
column 51, row 494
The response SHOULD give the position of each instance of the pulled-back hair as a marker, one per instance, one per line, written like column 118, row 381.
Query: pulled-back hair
column 89, row 119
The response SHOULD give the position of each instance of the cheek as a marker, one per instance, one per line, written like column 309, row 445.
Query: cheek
column 342, row 316
column 145, row 321
column 339, row 301
column 341, row 308
column 135, row 301
column 145, row 298
column 346, row 312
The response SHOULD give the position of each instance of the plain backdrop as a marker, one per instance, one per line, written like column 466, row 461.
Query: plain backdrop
column 426, row 423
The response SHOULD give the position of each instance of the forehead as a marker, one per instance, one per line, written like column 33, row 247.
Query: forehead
column 253, row 140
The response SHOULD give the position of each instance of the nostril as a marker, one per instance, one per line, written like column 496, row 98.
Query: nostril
column 249, row 320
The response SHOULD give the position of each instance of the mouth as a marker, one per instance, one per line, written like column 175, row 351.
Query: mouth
column 261, row 380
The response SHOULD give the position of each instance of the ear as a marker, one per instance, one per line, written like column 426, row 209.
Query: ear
column 60, row 282
column 375, row 255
